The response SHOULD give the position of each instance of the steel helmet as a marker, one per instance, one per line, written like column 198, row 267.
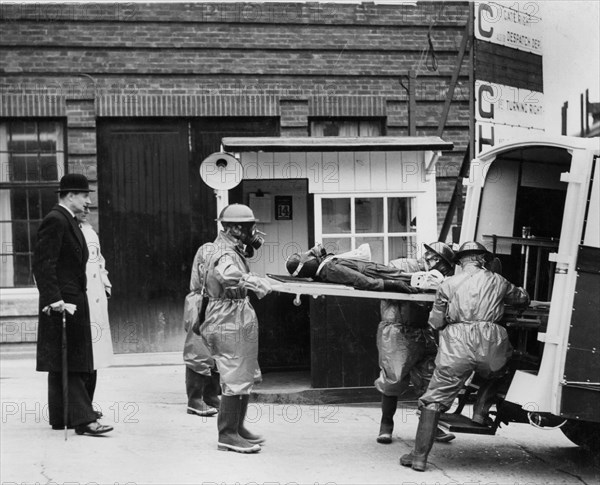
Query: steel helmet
column 442, row 250
column 237, row 213
column 471, row 247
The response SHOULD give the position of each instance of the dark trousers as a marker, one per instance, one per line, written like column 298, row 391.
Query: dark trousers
column 90, row 384
column 80, row 402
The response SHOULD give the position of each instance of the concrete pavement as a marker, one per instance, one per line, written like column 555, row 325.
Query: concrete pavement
column 155, row 441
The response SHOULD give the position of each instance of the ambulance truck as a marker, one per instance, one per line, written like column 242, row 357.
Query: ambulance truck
column 534, row 203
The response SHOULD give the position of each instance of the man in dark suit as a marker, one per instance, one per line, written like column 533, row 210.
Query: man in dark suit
column 59, row 263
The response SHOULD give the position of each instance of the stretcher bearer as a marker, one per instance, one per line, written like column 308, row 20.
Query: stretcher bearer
column 467, row 309
column 406, row 346
column 201, row 375
column 230, row 329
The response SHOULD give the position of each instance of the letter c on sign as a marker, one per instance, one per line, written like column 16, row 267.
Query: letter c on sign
column 487, row 8
column 488, row 89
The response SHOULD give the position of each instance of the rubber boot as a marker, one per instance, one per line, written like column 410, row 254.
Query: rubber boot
column 213, row 389
column 417, row 458
column 486, row 396
column 442, row 437
column 194, row 386
column 242, row 430
column 227, row 422
column 388, row 409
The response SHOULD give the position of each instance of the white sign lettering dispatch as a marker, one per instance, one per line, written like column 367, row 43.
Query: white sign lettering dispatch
column 514, row 24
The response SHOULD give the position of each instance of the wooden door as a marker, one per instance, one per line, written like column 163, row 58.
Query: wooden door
column 144, row 221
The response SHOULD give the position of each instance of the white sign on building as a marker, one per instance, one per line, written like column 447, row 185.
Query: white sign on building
column 515, row 25
column 505, row 112
column 490, row 134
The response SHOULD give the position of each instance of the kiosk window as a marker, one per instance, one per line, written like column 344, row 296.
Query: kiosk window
column 386, row 223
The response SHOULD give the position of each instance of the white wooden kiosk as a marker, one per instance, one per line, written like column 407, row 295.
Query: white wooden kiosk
column 341, row 192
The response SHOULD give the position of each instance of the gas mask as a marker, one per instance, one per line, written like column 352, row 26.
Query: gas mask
column 435, row 262
column 250, row 236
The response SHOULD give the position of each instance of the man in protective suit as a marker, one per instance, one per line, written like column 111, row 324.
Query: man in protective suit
column 348, row 269
column 467, row 309
column 406, row 344
column 201, row 375
column 230, row 329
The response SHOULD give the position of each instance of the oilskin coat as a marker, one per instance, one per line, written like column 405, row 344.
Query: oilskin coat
column 98, row 285
column 59, row 264
column 195, row 352
column 406, row 349
column 230, row 329
column 467, row 307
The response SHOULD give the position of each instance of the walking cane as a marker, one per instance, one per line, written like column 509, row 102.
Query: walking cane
column 65, row 372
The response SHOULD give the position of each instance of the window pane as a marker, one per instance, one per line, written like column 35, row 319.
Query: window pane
column 23, row 136
column 6, row 239
column 20, row 236
column 49, row 200
column 33, row 228
column 369, row 128
column 400, row 214
column 376, row 245
column 33, row 202
column 369, row 215
column 18, row 166
column 19, row 204
column 33, row 168
column 348, row 128
column 49, row 136
column 337, row 245
column 7, row 263
column 23, row 275
column 48, row 167
column 403, row 247
column 336, row 216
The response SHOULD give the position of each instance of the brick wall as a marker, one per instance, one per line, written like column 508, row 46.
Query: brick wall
column 293, row 61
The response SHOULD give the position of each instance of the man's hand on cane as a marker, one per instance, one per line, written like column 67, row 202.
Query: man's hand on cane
column 60, row 306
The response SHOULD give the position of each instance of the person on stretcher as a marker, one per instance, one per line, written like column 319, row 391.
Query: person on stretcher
column 353, row 268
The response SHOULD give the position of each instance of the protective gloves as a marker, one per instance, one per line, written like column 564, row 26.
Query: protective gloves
column 260, row 286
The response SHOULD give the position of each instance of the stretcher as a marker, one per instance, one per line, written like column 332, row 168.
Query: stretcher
column 305, row 286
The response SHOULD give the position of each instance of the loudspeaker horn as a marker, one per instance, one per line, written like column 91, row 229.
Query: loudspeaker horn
column 221, row 171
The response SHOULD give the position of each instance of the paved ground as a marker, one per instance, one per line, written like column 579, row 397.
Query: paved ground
column 155, row 441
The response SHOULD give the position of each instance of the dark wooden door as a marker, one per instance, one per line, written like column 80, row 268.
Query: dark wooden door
column 144, row 218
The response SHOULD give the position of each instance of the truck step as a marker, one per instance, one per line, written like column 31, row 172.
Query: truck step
column 457, row 423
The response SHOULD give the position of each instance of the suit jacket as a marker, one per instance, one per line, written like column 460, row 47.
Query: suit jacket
column 59, row 263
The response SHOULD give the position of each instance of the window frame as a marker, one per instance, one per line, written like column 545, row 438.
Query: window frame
column 357, row 119
column 10, row 185
column 353, row 235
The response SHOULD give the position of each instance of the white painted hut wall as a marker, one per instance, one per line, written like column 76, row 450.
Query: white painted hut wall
column 366, row 172
column 333, row 172
column 282, row 237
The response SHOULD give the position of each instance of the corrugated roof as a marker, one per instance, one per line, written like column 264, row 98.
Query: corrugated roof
column 334, row 144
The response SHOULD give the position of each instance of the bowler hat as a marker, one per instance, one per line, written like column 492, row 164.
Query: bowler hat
column 74, row 182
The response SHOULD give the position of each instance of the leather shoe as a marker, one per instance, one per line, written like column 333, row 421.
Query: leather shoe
column 94, row 428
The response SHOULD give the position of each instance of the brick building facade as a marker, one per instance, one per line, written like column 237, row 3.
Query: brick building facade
column 119, row 77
